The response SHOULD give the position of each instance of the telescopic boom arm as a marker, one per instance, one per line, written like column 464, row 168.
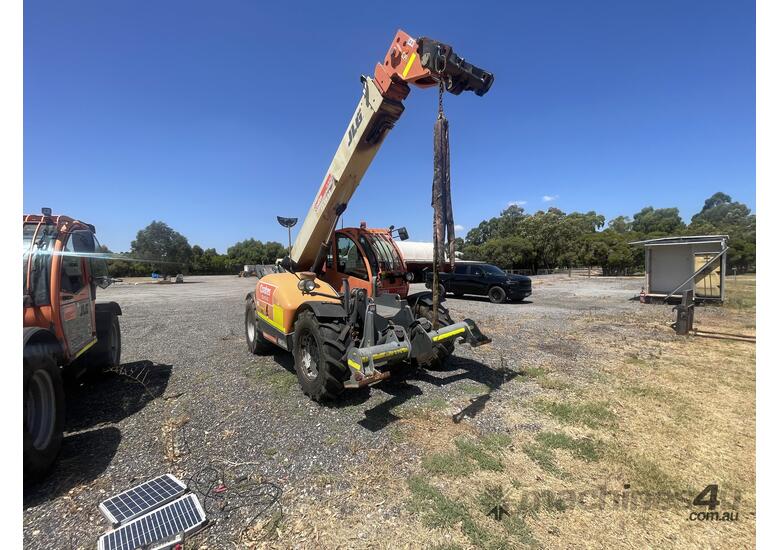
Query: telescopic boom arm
column 422, row 62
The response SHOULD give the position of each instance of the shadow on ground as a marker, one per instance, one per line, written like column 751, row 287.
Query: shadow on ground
column 379, row 417
column 84, row 456
column 114, row 395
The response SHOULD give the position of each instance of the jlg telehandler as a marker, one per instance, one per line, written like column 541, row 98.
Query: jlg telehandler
column 65, row 330
column 342, row 305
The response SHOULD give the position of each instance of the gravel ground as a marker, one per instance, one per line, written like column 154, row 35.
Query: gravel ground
column 190, row 400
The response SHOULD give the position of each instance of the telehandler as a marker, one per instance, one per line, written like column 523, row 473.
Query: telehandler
column 341, row 304
column 65, row 330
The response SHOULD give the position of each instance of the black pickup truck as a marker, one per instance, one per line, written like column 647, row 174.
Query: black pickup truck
column 483, row 280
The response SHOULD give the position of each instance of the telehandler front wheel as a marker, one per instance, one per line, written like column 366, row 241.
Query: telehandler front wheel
column 319, row 349
column 442, row 350
column 44, row 411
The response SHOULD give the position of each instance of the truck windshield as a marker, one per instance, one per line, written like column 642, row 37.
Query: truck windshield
column 40, row 247
column 385, row 252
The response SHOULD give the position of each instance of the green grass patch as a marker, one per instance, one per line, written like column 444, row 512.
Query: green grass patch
column 279, row 381
column 543, row 458
column 593, row 415
column 532, row 373
column 452, row 464
column 584, row 449
column 476, row 452
column 475, row 389
column 496, row 442
column 436, row 510
column 552, row 383
column 439, row 511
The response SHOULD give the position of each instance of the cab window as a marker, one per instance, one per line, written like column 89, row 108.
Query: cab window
column 461, row 269
column 71, row 275
column 350, row 259
column 476, row 270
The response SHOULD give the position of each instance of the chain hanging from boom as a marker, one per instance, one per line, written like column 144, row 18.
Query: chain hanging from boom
column 441, row 200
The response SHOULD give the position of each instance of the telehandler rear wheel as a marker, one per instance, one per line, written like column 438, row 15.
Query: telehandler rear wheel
column 319, row 349
column 444, row 350
column 255, row 341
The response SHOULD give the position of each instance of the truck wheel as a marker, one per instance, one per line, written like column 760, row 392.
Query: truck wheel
column 497, row 295
column 443, row 350
column 44, row 412
column 255, row 341
column 319, row 348
column 107, row 352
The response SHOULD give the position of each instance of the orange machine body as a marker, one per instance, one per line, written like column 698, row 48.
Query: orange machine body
column 53, row 314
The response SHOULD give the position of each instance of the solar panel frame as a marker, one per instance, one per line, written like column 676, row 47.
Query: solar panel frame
column 161, row 528
column 142, row 498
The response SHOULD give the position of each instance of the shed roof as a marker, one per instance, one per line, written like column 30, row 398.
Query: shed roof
column 691, row 239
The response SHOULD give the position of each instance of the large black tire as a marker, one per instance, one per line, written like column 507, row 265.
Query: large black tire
column 255, row 341
column 44, row 411
column 443, row 350
column 319, row 349
column 497, row 295
column 107, row 353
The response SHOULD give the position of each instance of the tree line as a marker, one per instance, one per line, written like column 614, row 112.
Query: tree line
column 159, row 248
column 553, row 239
column 513, row 240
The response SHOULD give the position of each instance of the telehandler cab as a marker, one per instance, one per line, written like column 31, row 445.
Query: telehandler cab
column 65, row 330
column 342, row 306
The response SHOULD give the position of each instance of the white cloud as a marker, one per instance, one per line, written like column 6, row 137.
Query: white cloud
column 517, row 203
column 458, row 227
column 549, row 198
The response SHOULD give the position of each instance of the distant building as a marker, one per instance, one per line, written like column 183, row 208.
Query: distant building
column 676, row 264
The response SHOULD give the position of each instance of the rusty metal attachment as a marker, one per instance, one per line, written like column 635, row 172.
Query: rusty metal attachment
column 684, row 322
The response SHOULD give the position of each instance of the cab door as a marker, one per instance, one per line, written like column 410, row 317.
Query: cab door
column 76, row 300
column 350, row 263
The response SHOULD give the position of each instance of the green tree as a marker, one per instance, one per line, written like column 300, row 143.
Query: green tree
column 167, row 250
column 661, row 221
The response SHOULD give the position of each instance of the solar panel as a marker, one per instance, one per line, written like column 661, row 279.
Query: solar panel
column 160, row 528
column 142, row 498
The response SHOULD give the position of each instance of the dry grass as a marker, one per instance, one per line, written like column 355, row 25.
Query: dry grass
column 622, row 444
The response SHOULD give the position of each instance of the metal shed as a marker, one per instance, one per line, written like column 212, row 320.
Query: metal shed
column 676, row 264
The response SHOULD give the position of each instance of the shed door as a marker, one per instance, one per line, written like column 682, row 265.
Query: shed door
column 708, row 284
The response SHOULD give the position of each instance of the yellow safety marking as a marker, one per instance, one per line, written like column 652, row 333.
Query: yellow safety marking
column 352, row 364
column 409, row 64
column 448, row 334
column 279, row 315
column 85, row 348
column 389, row 353
column 271, row 322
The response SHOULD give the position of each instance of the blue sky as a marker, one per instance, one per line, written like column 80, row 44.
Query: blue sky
column 217, row 116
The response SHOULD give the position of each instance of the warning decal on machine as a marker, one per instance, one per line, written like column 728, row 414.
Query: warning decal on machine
column 325, row 191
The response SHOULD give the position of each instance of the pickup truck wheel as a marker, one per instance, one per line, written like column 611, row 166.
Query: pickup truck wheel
column 44, row 412
column 319, row 349
column 497, row 295
column 255, row 341
column 444, row 350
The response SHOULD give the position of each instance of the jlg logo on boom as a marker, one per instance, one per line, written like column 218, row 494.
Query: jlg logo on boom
column 354, row 127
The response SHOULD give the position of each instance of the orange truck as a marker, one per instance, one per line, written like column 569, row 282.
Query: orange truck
column 66, row 331
column 341, row 304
